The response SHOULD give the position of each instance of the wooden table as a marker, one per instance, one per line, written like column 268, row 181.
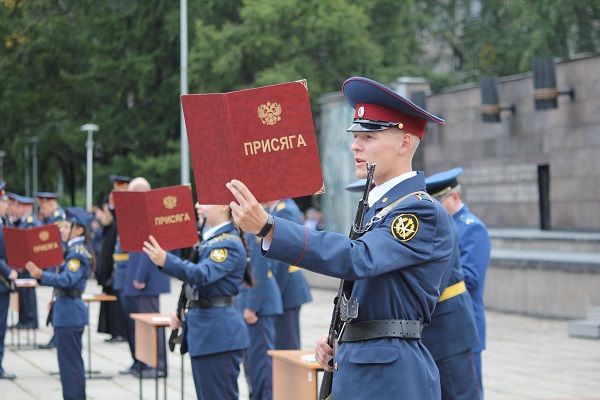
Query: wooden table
column 146, row 342
column 14, row 307
column 294, row 376
column 88, row 298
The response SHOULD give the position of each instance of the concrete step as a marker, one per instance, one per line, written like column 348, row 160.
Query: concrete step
column 535, row 239
column 570, row 261
column 585, row 328
column 593, row 313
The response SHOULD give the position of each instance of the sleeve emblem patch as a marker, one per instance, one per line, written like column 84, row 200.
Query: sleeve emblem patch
column 404, row 227
column 218, row 255
column 73, row 265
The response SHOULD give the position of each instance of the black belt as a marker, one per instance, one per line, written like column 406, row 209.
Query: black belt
column 74, row 294
column 220, row 301
column 395, row 328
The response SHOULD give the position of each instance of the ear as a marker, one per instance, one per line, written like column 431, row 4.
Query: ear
column 406, row 143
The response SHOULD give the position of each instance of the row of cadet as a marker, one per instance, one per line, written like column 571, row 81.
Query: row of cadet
column 267, row 313
column 269, row 302
column 414, row 265
column 271, row 307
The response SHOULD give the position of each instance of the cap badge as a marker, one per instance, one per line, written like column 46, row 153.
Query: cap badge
column 170, row 202
column 269, row 113
column 44, row 235
column 218, row 255
column 404, row 227
column 360, row 112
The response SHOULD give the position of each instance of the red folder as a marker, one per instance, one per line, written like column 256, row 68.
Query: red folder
column 264, row 137
column 168, row 214
column 42, row 245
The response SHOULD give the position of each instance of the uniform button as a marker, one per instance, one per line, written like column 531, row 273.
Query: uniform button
column 335, row 366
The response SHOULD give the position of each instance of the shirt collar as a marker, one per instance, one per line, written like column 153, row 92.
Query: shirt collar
column 378, row 191
column 275, row 204
column 75, row 240
column 210, row 232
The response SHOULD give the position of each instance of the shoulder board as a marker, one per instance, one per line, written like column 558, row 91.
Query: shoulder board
column 280, row 206
column 81, row 249
column 423, row 196
column 220, row 238
column 465, row 220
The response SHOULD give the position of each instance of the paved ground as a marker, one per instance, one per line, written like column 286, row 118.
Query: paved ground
column 527, row 358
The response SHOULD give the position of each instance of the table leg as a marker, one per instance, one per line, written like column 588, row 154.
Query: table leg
column 89, row 372
column 140, row 377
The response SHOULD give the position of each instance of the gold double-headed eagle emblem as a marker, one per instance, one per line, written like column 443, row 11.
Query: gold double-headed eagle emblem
column 170, row 202
column 269, row 113
column 44, row 235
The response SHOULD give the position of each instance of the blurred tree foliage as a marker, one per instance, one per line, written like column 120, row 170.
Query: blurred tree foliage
column 115, row 63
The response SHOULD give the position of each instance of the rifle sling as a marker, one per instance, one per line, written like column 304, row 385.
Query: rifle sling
column 348, row 284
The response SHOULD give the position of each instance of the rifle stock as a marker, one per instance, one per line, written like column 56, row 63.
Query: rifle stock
column 345, row 289
column 51, row 309
column 175, row 338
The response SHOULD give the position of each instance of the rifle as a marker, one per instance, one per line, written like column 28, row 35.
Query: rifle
column 9, row 283
column 51, row 309
column 174, row 338
column 345, row 307
column 53, row 299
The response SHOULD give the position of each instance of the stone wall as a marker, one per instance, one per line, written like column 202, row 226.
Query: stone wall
column 501, row 159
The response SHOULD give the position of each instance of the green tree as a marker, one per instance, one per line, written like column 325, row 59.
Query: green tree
column 501, row 37
column 267, row 41
column 68, row 63
column 116, row 64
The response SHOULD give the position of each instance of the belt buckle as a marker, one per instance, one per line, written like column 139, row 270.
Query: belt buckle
column 348, row 308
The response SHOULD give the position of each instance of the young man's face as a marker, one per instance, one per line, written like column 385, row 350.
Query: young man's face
column 46, row 208
column 12, row 207
column 22, row 209
column 383, row 148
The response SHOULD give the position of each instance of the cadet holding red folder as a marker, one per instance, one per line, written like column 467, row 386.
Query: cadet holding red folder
column 396, row 261
column 214, row 331
column 69, row 315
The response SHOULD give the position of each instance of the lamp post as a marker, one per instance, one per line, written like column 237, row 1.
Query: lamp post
column 26, row 169
column 185, row 153
column 89, row 144
column 2, row 155
column 34, row 163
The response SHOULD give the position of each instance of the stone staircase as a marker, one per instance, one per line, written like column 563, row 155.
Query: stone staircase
column 587, row 328
column 553, row 274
